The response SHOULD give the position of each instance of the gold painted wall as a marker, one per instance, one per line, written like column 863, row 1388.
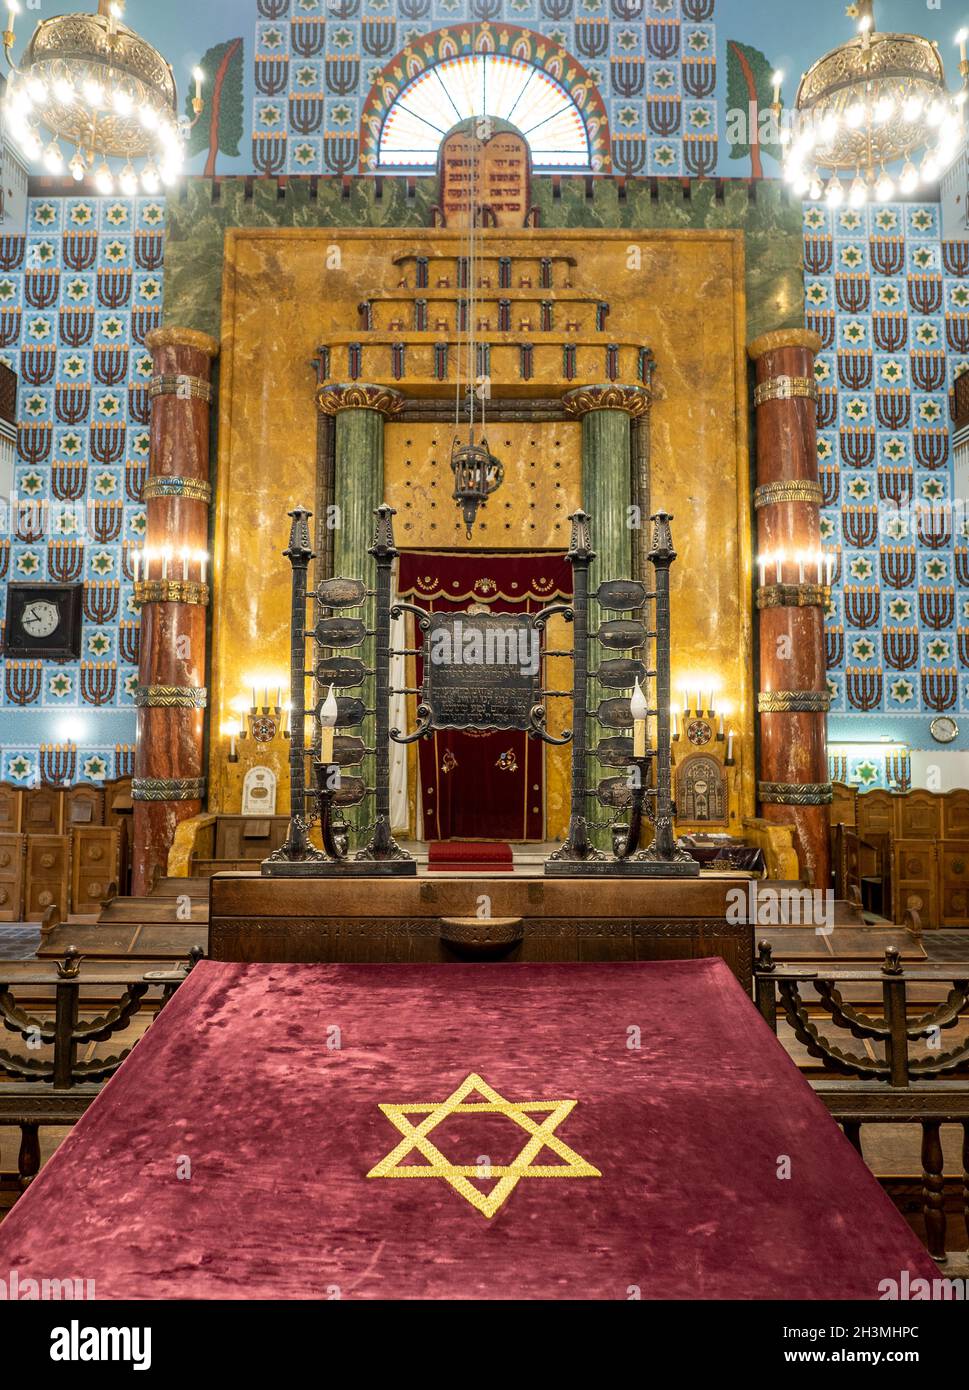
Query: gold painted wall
column 680, row 292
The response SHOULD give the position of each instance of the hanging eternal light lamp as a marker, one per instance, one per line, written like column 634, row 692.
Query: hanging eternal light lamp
column 88, row 82
column 877, row 101
column 477, row 473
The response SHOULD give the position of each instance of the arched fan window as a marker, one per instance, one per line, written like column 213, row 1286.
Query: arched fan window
column 487, row 84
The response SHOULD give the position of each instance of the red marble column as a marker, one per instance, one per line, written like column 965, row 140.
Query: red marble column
column 794, row 786
column 173, row 591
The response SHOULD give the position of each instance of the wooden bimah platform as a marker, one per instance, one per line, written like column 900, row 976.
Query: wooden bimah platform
column 387, row 920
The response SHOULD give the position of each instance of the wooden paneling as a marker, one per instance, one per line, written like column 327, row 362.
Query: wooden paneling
column 918, row 816
column 11, row 810
column 955, row 815
column 12, row 849
column 249, row 837
column 48, row 876
column 94, row 866
column 43, row 811
column 875, row 813
column 954, row 877
column 83, row 806
column 843, row 804
column 915, row 879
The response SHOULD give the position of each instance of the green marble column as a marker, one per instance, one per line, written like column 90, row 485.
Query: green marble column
column 607, row 413
column 361, row 413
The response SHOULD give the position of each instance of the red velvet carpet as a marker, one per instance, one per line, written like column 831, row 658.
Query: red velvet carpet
column 446, row 856
column 285, row 1131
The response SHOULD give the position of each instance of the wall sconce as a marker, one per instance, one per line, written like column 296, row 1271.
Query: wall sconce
column 813, row 567
column 264, row 722
column 169, row 563
column 730, row 760
column 232, row 730
column 699, row 697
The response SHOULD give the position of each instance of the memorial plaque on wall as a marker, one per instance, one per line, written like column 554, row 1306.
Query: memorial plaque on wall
column 495, row 169
column 481, row 671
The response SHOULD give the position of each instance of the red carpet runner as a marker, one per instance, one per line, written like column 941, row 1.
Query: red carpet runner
column 445, row 856
column 460, row 1131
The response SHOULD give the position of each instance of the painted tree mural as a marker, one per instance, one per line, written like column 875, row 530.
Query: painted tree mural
column 749, row 95
column 220, row 126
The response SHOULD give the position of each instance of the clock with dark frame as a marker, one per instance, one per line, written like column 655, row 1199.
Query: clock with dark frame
column 44, row 620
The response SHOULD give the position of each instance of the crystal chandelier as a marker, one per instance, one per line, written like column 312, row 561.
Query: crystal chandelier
column 92, row 95
column 872, row 116
column 477, row 473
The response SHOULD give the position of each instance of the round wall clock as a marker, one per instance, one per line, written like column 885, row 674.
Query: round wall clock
column 944, row 729
column 40, row 618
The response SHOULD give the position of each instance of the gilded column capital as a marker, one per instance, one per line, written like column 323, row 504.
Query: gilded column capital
column 784, row 338
column 182, row 337
column 359, row 396
column 632, row 400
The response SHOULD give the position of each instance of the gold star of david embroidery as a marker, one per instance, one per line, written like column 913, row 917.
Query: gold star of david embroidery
column 540, row 1136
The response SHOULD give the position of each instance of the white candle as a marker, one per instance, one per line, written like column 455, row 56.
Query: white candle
column 166, row 557
column 709, row 704
column 730, row 746
column 830, row 564
column 820, row 565
column 800, row 569
column 777, row 80
column 232, row 742
column 198, row 74
column 639, row 709
column 762, row 562
column 184, row 564
column 204, row 562
column 253, row 698
column 674, row 727
column 779, row 567
column 278, row 702
column 961, row 38
column 720, row 728
column 136, row 564
column 328, row 717
column 686, row 700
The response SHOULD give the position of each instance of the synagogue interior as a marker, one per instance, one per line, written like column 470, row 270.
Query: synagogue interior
column 484, row 652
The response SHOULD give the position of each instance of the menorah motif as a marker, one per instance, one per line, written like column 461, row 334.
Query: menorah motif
column 272, row 9
column 931, row 446
column 149, row 250
column 77, row 327
column 101, row 598
column 99, row 682
column 135, row 476
column 697, row 10
column 10, row 321
column 853, row 291
column 124, row 759
column 4, row 557
column 38, row 365
column 901, row 647
column 143, row 321
column 893, row 406
column 699, row 155
column 925, row 293
column 23, row 681
column 955, row 257
column 307, row 36
column 592, row 37
column 663, row 114
column 378, row 37
column 898, row 565
column 559, row 9
column 105, row 520
column 72, row 403
column 628, row 76
column 108, row 442
column 887, row 254
column 890, row 331
column 410, row 9
column 818, row 254
column 128, row 550
column 855, row 367
column 860, row 525
column 306, row 114
column 41, row 288
column 934, row 526
column 957, row 331
column 699, row 76
column 830, row 476
column 31, row 519
column 114, row 287
column 58, row 763
column 864, row 686
column 662, row 37
column 928, row 370
column 111, row 365
column 65, row 561
column 268, row 150
column 340, row 153
column 937, row 606
column 827, row 406
column 485, row 9
column 629, row 154
column 862, row 605
column 12, row 252
column 822, row 322
column 838, row 767
column 940, row 687
column 962, row 640
column 129, row 642
column 342, row 75
column 139, row 404
column 961, row 558
column 34, row 442
column 272, row 75
column 896, row 482
column 834, row 646
column 80, row 250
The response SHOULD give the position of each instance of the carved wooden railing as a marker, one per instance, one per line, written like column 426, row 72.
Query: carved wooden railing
column 894, row 1085
column 58, row 1088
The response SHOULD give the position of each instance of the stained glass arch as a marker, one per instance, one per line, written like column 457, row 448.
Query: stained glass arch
column 498, row 85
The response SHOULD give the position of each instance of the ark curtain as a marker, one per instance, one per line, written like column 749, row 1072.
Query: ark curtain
column 482, row 786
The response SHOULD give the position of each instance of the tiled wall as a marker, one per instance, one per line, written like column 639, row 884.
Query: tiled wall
column 653, row 61
column 891, row 301
column 78, row 294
